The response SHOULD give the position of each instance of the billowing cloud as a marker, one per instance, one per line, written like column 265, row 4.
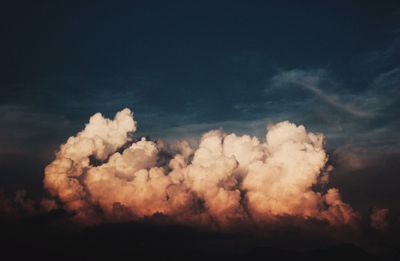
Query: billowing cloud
column 228, row 179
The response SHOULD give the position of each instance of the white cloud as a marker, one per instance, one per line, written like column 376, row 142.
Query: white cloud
column 237, row 178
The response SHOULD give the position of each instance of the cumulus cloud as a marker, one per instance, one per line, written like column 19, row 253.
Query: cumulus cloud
column 228, row 179
column 21, row 205
column 379, row 218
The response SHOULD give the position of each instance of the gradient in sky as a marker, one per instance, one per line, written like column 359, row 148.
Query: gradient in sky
column 185, row 68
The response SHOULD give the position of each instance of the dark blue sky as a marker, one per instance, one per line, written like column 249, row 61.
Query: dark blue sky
column 186, row 67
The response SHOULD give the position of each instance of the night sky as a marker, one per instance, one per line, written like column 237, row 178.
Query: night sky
column 187, row 67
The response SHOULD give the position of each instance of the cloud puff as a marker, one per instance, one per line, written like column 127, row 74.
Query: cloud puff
column 229, row 179
column 379, row 218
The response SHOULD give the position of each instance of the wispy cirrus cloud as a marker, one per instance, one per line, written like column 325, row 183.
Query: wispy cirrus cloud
column 317, row 82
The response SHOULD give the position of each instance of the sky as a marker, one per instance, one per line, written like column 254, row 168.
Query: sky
column 187, row 67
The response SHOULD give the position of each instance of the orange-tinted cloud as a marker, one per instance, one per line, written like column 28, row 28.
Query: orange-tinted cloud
column 228, row 179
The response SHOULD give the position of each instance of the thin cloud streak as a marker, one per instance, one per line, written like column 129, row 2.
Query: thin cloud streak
column 311, row 82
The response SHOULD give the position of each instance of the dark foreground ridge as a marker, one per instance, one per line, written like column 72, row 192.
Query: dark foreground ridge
column 48, row 237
